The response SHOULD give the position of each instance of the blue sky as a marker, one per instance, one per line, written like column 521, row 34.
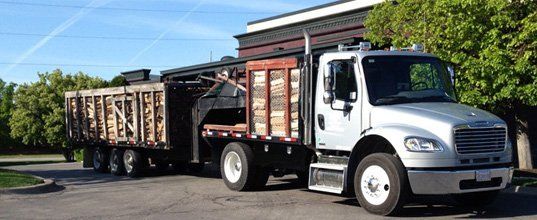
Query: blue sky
column 175, row 19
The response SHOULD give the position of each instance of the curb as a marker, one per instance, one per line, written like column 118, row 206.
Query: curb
column 48, row 185
column 532, row 191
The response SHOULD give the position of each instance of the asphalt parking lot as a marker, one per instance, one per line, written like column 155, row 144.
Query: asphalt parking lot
column 84, row 194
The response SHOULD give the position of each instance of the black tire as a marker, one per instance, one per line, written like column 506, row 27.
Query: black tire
column 261, row 177
column 396, row 186
column 476, row 199
column 195, row 167
column 245, row 178
column 100, row 160
column 162, row 165
column 117, row 167
column 133, row 163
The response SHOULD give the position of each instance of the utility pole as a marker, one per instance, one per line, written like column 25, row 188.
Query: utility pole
column 211, row 57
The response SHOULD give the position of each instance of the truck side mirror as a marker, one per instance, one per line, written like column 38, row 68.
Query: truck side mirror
column 353, row 96
column 328, row 95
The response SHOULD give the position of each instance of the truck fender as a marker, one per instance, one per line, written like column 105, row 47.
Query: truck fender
column 396, row 135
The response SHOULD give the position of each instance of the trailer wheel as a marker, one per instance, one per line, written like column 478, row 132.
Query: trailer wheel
column 100, row 160
column 133, row 162
column 237, row 167
column 116, row 162
column 380, row 184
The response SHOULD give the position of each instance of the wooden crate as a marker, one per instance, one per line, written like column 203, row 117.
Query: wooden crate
column 272, row 97
column 122, row 114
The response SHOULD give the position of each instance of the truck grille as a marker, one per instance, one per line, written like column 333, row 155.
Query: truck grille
column 480, row 140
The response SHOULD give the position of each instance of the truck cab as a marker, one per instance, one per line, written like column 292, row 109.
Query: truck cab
column 387, row 125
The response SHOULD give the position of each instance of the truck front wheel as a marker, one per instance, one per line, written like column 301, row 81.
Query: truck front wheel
column 237, row 167
column 380, row 184
column 100, row 160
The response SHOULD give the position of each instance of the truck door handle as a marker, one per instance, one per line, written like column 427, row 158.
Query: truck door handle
column 320, row 119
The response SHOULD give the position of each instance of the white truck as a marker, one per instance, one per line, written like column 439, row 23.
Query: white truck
column 384, row 125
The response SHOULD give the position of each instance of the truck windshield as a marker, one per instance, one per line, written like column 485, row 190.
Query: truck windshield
column 406, row 79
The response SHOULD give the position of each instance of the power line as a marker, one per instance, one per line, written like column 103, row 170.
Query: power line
column 86, row 65
column 113, row 38
column 129, row 9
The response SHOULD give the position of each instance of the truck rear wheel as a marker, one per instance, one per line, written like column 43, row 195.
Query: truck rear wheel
column 380, row 184
column 237, row 167
column 476, row 199
column 100, row 160
column 116, row 162
column 133, row 163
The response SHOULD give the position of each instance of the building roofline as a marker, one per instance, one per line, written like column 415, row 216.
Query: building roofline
column 299, row 11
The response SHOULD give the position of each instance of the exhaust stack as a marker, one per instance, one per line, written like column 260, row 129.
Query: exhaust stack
column 307, row 93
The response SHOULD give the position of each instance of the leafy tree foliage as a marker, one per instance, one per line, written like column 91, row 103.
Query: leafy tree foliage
column 39, row 114
column 6, row 108
column 492, row 43
column 118, row 81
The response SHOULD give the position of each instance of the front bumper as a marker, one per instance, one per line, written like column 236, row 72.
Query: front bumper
column 431, row 182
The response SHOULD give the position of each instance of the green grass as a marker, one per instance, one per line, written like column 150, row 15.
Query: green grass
column 22, row 156
column 525, row 181
column 10, row 179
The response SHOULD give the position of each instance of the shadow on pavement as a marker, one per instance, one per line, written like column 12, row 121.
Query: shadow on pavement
column 506, row 206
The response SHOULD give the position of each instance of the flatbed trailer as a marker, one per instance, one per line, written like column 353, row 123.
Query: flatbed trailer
column 190, row 122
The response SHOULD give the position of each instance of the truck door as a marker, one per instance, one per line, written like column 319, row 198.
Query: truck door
column 338, row 123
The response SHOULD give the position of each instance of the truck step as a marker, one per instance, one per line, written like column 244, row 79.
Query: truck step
column 327, row 177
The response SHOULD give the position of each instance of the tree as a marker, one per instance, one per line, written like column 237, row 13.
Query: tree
column 492, row 43
column 118, row 81
column 6, row 108
column 38, row 117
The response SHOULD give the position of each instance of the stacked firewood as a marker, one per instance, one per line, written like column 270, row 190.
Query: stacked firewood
column 277, row 103
column 110, row 118
column 257, row 94
column 295, row 94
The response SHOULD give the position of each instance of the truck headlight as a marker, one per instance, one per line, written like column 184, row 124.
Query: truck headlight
column 418, row 144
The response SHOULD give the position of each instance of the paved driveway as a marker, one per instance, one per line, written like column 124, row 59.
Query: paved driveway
column 87, row 195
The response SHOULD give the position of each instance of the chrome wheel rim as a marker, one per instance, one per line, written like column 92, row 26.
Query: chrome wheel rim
column 97, row 159
column 375, row 185
column 129, row 162
column 113, row 165
column 232, row 167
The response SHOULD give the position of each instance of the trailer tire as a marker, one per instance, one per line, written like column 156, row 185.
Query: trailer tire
column 117, row 167
column 476, row 199
column 237, row 167
column 133, row 163
column 100, row 160
column 380, row 184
